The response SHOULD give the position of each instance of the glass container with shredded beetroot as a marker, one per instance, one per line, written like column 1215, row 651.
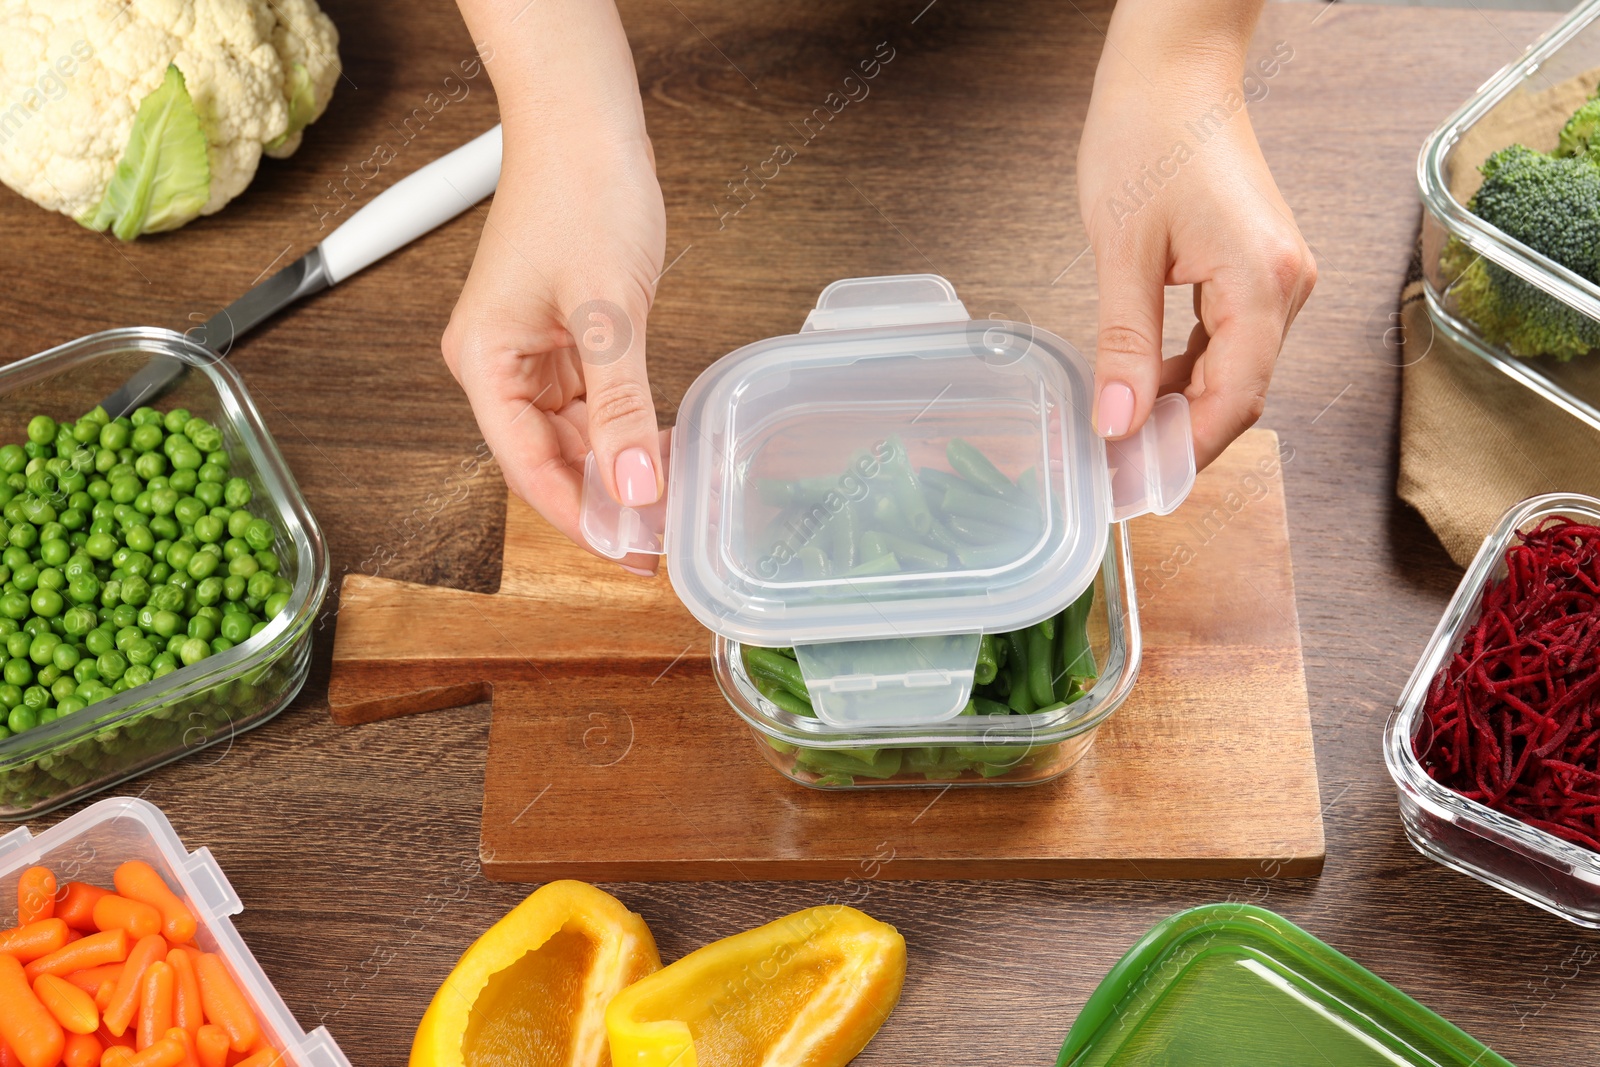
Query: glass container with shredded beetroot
column 1495, row 742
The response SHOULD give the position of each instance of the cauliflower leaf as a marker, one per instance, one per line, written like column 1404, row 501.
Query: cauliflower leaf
column 302, row 105
column 164, row 176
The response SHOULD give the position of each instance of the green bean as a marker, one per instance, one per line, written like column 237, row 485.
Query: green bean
column 873, row 545
column 785, row 652
column 933, row 478
column 1021, row 697
column 875, row 567
column 846, row 528
column 860, row 762
column 940, row 537
column 978, row 532
column 985, row 706
column 1074, row 657
column 813, row 564
column 913, row 552
column 784, row 699
column 781, row 670
column 973, row 505
column 905, row 490
column 1049, row 626
column 975, row 467
column 978, row 559
column 1039, row 662
column 988, row 661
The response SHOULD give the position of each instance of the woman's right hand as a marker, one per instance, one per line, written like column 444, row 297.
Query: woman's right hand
column 548, row 336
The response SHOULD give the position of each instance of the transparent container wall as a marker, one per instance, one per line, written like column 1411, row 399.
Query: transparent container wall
column 223, row 695
column 1557, row 875
column 1526, row 104
column 91, row 845
column 983, row 749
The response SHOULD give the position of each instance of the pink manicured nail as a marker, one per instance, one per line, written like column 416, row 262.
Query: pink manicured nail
column 1114, row 415
column 640, row 571
column 636, row 476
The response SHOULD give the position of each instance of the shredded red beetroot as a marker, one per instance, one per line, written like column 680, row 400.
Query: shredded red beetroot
column 1513, row 720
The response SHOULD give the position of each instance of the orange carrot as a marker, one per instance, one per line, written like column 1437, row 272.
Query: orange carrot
column 224, row 1004
column 116, row 1056
column 267, row 1057
column 29, row 942
column 110, row 946
column 186, row 1039
column 36, row 895
column 112, row 912
column 25, row 1024
column 167, row 1052
column 108, row 1039
column 125, row 1001
column 155, row 1005
column 83, row 1050
column 8, row 1058
column 74, row 935
column 77, row 903
column 212, row 1045
column 139, row 881
column 90, row 979
column 187, row 1011
column 72, row 1007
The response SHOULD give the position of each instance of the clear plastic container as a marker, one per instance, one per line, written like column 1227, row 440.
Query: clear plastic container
column 1559, row 876
column 876, row 493
column 1453, row 238
column 90, row 845
column 226, row 693
column 969, row 749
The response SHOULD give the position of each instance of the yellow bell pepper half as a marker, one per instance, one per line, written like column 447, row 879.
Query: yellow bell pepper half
column 810, row 989
column 533, row 990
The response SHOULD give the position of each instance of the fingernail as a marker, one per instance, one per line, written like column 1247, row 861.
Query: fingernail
column 1115, row 413
column 636, row 477
column 640, row 571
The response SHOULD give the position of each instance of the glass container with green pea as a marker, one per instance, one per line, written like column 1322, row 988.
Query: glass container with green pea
column 128, row 544
column 908, row 539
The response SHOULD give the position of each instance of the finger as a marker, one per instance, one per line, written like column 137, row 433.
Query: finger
column 610, row 339
column 1229, row 389
column 1176, row 371
column 1131, row 276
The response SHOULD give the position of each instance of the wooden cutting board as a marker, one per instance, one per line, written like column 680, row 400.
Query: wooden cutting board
column 613, row 756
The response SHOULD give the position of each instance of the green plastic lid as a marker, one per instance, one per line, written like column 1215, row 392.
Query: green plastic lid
column 1231, row 985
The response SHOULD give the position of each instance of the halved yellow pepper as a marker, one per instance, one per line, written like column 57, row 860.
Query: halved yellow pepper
column 811, row 988
column 533, row 990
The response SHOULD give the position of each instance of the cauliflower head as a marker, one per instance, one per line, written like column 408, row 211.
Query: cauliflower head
column 99, row 102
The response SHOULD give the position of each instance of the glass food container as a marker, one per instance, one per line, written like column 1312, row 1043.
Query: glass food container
column 1457, row 246
column 225, row 693
column 1560, row 876
column 90, row 845
column 872, row 496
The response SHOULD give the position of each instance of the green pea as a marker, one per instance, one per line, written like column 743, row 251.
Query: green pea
column 137, row 675
column 114, row 435
column 99, row 641
column 55, row 552
column 73, row 519
column 85, row 671
column 18, row 644
column 41, row 429
column 165, row 527
column 234, row 587
column 124, row 489
column 62, row 689
column 100, row 546
column 124, row 615
column 140, row 539
column 26, row 577
column 77, row 621
column 211, row 472
column 243, row 564
column 68, row 705
column 23, row 535
column 236, row 627
column 146, row 439
column 275, row 604
column 135, row 591
column 41, row 650
column 12, row 459
column 179, row 555
column 47, row 602
column 259, row 586
column 18, row 671
column 111, row 664
column 22, row 719
column 209, row 529
column 65, row 656
column 150, row 465
column 166, row 623
column 163, row 664
column 173, row 421
column 202, row 564
column 193, row 650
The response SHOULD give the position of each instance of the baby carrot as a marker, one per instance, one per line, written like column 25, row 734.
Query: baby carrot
column 74, row 935
column 36, row 895
column 110, row 946
column 211, row 1043
column 116, row 1056
column 125, row 1001
column 108, row 1039
column 155, row 1005
column 164, row 1053
column 7, row 1057
column 267, row 1057
column 29, row 942
column 25, row 1024
column 90, row 979
column 112, row 912
column 77, row 903
column 83, row 1050
column 72, row 1007
column 224, row 1004
column 186, row 1008
column 139, row 881
column 186, row 1039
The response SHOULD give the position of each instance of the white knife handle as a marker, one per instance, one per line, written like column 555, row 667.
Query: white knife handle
column 414, row 205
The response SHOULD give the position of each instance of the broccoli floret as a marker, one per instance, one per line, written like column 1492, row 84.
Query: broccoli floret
column 1552, row 205
column 1582, row 130
column 1521, row 318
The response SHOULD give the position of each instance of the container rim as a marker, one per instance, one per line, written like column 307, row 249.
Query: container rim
column 295, row 521
column 1111, row 689
column 1404, row 767
column 1483, row 238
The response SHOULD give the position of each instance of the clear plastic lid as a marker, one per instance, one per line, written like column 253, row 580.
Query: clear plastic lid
column 891, row 477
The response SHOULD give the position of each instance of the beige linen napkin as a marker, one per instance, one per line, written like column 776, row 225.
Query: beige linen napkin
column 1472, row 440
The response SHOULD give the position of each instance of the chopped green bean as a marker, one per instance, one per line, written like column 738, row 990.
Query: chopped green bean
column 975, row 467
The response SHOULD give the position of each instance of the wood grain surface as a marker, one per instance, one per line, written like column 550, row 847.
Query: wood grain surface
column 355, row 850
column 589, row 727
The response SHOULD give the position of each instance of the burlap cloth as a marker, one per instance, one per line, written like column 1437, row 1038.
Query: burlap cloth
column 1473, row 441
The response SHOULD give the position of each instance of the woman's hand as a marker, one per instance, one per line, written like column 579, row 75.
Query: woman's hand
column 1174, row 191
column 548, row 336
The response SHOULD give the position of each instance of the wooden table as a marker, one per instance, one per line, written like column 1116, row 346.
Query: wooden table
column 355, row 849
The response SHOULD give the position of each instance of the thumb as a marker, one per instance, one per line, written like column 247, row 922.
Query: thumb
column 1127, row 365
column 610, row 339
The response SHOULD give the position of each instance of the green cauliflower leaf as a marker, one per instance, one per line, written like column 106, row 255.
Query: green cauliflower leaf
column 164, row 176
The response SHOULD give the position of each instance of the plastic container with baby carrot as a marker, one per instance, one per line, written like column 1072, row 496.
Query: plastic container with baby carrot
column 90, row 846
